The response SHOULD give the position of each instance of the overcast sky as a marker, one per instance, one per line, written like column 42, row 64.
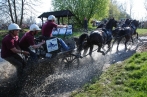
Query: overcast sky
column 138, row 11
column 138, row 8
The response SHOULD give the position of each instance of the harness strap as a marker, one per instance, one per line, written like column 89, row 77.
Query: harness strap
column 108, row 34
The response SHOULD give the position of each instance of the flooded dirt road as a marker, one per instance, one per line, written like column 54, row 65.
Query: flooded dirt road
column 61, row 84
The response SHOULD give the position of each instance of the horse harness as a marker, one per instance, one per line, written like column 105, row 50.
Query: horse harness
column 106, row 34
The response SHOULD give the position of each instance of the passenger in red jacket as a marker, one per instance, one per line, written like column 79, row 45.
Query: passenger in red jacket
column 10, row 49
column 49, row 26
column 27, row 41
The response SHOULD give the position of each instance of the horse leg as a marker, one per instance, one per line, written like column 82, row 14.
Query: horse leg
column 85, row 51
column 113, row 44
column 137, row 35
column 103, row 47
column 118, row 42
column 99, row 49
column 132, row 39
column 79, row 53
column 126, row 44
column 109, row 47
column 90, row 51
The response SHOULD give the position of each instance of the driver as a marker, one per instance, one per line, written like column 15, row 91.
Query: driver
column 10, row 49
column 27, row 41
column 49, row 26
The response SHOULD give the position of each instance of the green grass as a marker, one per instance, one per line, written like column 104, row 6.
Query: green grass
column 128, row 79
column 142, row 31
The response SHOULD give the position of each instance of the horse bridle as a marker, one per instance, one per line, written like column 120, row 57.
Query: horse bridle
column 133, row 26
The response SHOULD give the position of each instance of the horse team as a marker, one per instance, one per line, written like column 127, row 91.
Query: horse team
column 105, row 34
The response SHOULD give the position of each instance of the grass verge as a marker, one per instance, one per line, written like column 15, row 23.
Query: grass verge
column 142, row 32
column 127, row 79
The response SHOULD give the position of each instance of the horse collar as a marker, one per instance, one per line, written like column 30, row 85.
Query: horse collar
column 133, row 26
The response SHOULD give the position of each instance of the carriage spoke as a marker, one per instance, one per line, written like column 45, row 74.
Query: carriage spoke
column 69, row 61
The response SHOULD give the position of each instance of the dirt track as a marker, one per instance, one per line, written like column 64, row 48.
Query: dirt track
column 61, row 84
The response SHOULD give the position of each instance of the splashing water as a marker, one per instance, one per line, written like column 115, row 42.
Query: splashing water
column 61, row 83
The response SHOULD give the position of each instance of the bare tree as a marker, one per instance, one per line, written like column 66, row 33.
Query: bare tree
column 16, row 10
column 131, row 7
column 123, row 7
column 118, row 9
column 145, row 4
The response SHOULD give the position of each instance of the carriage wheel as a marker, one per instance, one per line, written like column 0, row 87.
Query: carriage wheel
column 69, row 61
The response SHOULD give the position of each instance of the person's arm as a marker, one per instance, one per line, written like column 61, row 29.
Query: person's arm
column 62, row 26
column 14, row 50
column 38, row 45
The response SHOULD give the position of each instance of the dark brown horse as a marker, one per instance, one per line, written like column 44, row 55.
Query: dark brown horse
column 127, row 23
column 126, row 32
column 99, row 37
column 131, row 23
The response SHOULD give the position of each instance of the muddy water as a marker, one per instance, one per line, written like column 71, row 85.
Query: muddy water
column 61, row 84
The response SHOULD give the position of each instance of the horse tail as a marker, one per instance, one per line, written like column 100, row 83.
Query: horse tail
column 137, row 35
column 83, row 37
column 81, row 40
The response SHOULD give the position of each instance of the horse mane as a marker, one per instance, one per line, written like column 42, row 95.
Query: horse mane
column 109, row 23
column 128, row 21
column 135, row 22
column 79, row 41
column 83, row 36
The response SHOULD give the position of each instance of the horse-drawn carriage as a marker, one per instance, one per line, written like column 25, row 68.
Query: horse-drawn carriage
column 51, row 53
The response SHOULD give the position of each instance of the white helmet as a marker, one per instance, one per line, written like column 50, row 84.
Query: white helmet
column 34, row 27
column 51, row 17
column 13, row 26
